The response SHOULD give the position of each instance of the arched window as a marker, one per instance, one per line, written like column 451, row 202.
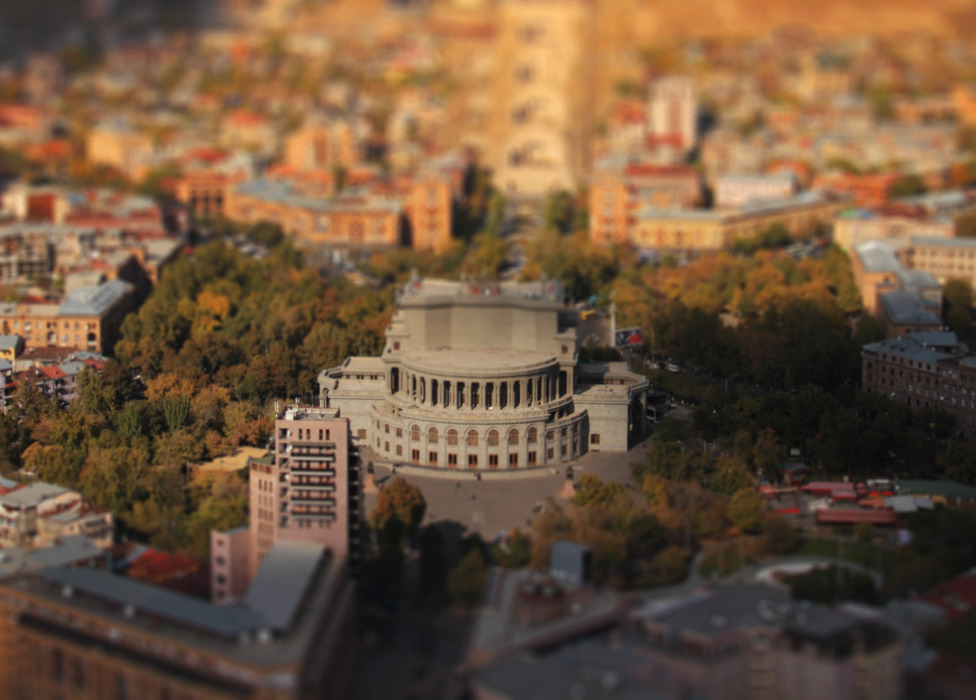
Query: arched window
column 513, row 436
column 472, row 438
column 533, row 435
column 432, row 436
column 452, row 437
column 492, row 437
column 415, row 433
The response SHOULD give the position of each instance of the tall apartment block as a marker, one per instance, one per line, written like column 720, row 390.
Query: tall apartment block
column 542, row 125
column 305, row 490
column 673, row 111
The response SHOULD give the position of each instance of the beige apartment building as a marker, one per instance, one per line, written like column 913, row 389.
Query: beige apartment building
column 121, row 147
column 542, row 96
column 323, row 145
column 708, row 230
column 349, row 219
column 88, row 318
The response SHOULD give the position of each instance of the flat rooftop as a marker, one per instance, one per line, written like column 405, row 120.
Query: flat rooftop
column 465, row 359
column 436, row 288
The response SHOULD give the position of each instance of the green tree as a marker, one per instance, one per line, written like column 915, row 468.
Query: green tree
column 466, row 582
column 958, row 297
column 515, row 553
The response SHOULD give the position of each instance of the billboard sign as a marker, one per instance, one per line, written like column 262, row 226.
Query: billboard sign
column 628, row 337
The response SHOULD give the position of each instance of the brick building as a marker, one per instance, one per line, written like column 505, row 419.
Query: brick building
column 923, row 370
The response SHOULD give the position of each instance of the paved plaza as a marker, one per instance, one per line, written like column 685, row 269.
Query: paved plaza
column 500, row 501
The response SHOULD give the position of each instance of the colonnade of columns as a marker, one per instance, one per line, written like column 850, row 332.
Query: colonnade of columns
column 497, row 394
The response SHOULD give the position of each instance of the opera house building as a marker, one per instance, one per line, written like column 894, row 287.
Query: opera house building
column 478, row 376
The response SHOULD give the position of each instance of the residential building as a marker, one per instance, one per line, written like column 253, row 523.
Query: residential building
column 429, row 208
column 121, row 147
column 85, row 633
column 25, row 256
column 871, row 190
column 672, row 111
column 349, row 219
column 207, row 175
column 305, row 490
column 943, row 258
column 485, row 376
column 619, row 191
column 739, row 190
column 10, row 347
column 709, row 230
column 324, row 144
column 924, row 371
column 855, row 226
column 87, row 318
column 904, row 300
column 542, row 104
column 37, row 515
column 724, row 641
column 753, row 641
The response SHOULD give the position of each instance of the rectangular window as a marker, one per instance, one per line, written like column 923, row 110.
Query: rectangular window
column 472, row 461
column 532, row 459
column 595, row 438
column 399, row 432
column 513, row 460
column 399, row 450
column 386, row 446
column 493, row 461
column 361, row 433
column 415, row 456
column 550, row 453
column 432, row 459
column 562, row 450
column 387, row 428
column 452, row 460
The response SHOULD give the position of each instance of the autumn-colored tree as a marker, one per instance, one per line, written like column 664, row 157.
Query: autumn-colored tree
column 402, row 501
column 49, row 463
column 550, row 526
column 747, row 510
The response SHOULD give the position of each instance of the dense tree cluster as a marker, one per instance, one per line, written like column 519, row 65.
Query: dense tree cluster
column 255, row 328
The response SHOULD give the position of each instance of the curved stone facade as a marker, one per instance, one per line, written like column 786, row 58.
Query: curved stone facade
column 450, row 408
column 476, row 377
